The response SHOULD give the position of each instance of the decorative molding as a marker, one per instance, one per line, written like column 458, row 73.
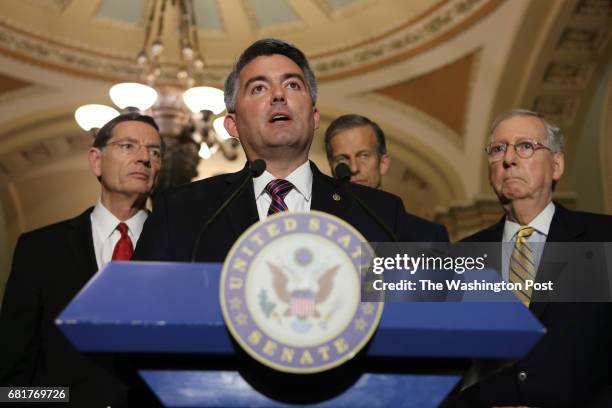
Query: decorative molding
column 52, row 5
column 572, row 75
column 584, row 39
column 424, row 33
column 336, row 13
column 40, row 152
column 594, row 8
column 560, row 108
column 398, row 42
column 570, row 68
column 87, row 64
column 30, row 91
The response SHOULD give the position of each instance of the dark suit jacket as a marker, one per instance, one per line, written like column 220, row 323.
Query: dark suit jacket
column 572, row 365
column 50, row 266
column 170, row 232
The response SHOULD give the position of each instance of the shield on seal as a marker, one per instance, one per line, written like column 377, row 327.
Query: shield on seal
column 302, row 303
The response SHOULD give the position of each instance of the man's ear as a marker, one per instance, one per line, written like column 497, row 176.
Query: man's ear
column 230, row 125
column 317, row 117
column 385, row 163
column 558, row 165
column 94, row 155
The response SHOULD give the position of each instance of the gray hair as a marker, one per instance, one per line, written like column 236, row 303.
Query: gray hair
column 554, row 134
column 268, row 47
column 352, row 121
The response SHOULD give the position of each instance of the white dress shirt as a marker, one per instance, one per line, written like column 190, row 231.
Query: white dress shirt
column 105, row 233
column 298, row 199
column 541, row 224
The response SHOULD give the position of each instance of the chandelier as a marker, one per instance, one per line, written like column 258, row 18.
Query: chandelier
column 190, row 117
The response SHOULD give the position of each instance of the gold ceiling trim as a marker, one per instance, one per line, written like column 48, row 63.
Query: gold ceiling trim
column 402, row 45
column 431, row 28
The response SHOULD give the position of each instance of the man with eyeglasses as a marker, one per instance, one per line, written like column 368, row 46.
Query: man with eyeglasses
column 572, row 365
column 51, row 264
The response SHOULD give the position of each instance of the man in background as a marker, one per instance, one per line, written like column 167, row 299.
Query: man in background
column 359, row 143
column 51, row 265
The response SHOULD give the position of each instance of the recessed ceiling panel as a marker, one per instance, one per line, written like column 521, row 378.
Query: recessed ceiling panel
column 126, row 11
column 207, row 15
column 272, row 12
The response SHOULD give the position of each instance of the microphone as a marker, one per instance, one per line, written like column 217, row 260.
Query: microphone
column 343, row 174
column 256, row 168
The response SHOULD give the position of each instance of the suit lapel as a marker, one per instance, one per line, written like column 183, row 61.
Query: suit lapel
column 326, row 195
column 243, row 209
column 81, row 245
column 564, row 227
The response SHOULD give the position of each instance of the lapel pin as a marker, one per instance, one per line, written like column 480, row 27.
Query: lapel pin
column 336, row 197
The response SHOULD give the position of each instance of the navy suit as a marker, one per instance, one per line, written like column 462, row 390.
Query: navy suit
column 572, row 365
column 50, row 266
column 170, row 232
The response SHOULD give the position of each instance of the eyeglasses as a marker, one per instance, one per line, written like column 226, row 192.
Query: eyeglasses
column 524, row 149
column 131, row 147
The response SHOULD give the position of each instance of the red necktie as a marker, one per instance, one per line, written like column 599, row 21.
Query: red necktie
column 278, row 189
column 123, row 249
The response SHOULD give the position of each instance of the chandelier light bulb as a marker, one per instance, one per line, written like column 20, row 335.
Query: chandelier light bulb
column 220, row 128
column 181, row 74
column 157, row 47
column 132, row 94
column 204, row 98
column 198, row 63
column 204, row 152
column 188, row 52
column 197, row 137
column 94, row 116
column 142, row 59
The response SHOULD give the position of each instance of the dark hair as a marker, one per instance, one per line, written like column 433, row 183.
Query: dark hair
column 106, row 132
column 269, row 46
column 352, row 121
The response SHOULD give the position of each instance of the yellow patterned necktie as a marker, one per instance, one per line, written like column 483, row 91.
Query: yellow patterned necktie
column 522, row 264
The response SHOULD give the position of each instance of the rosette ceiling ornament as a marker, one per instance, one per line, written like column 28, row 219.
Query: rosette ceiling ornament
column 190, row 116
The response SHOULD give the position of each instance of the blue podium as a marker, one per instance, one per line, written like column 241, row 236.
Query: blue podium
column 172, row 309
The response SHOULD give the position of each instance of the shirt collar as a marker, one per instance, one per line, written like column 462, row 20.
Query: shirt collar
column 541, row 223
column 301, row 178
column 106, row 222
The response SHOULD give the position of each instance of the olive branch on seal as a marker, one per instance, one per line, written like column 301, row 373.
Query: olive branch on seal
column 266, row 306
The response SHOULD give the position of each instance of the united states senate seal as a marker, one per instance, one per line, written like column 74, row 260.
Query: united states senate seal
column 290, row 292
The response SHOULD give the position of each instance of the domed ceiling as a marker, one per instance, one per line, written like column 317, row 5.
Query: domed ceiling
column 341, row 37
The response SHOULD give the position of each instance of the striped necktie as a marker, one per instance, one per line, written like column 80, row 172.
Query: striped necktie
column 522, row 264
column 278, row 189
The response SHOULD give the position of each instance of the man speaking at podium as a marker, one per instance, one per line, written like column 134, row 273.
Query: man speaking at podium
column 271, row 98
